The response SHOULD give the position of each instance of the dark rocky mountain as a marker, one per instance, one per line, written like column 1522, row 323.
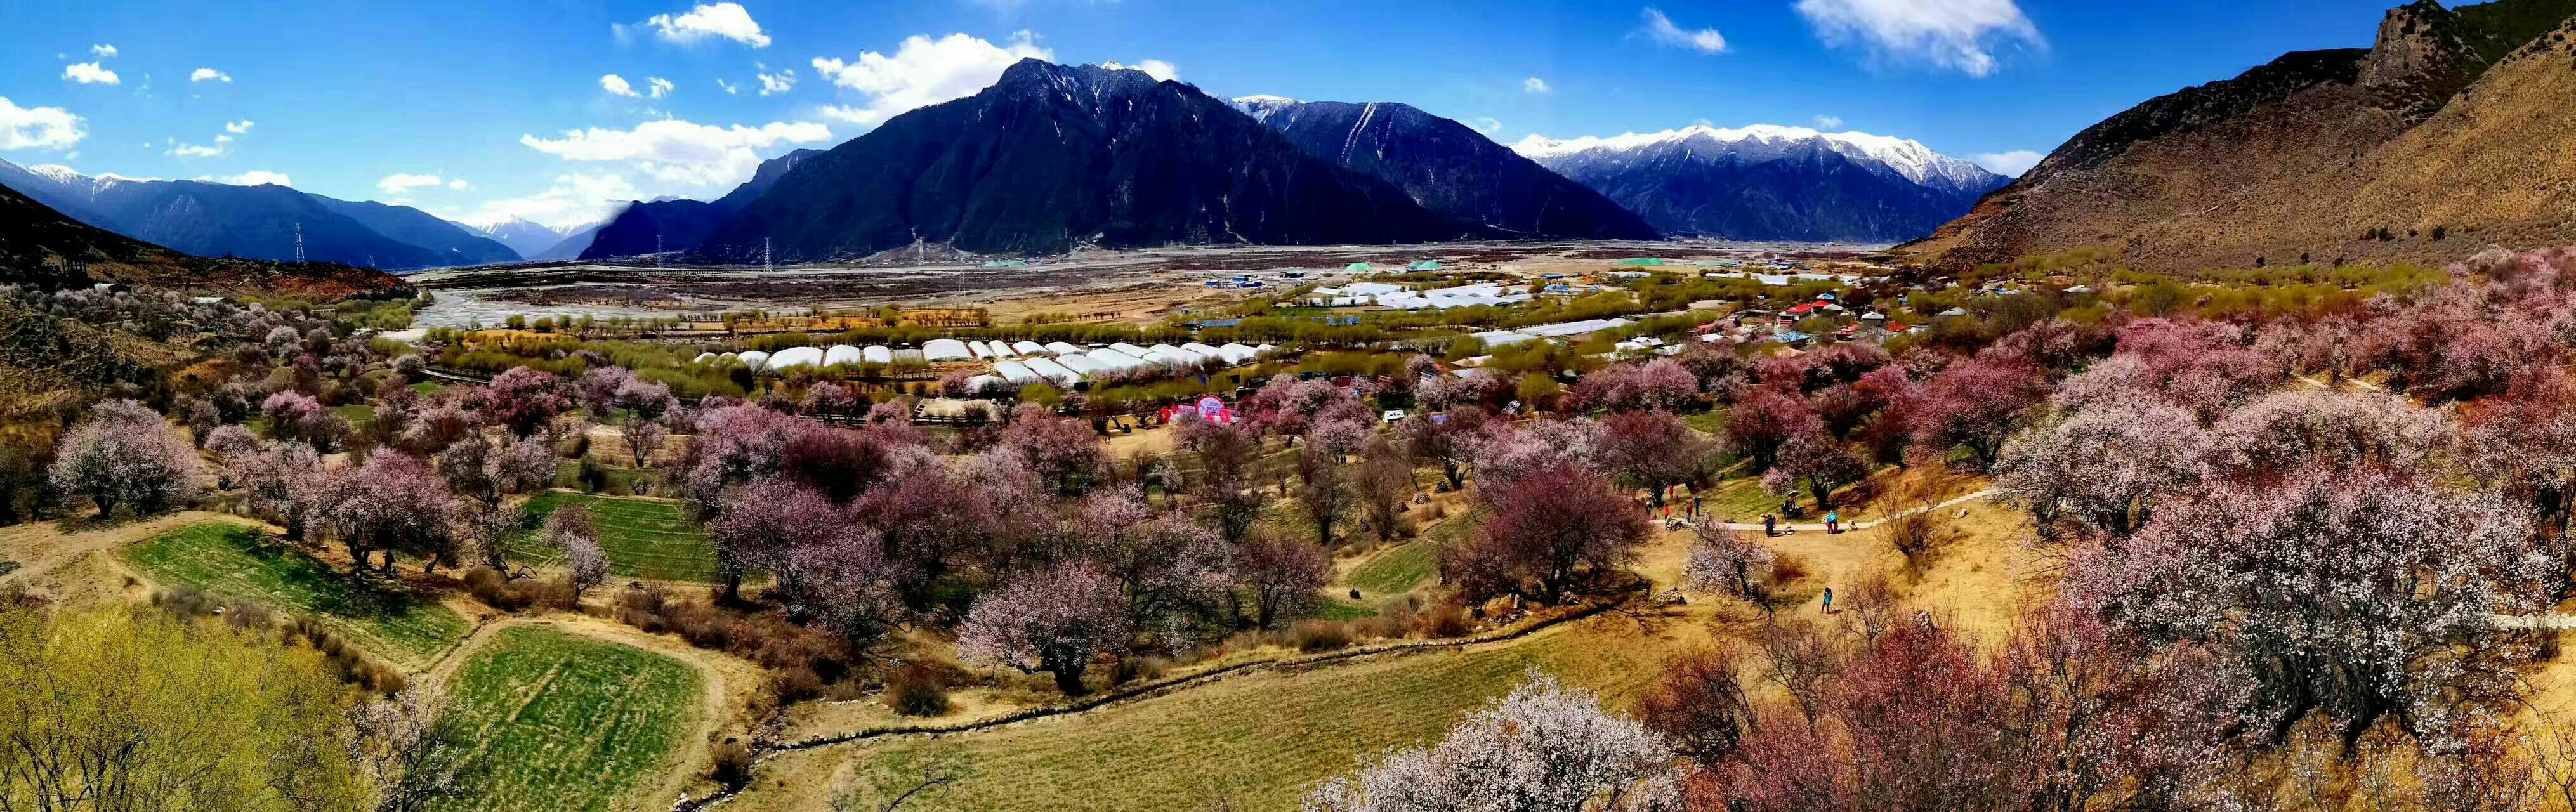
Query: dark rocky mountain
column 457, row 245
column 1447, row 167
column 1767, row 182
column 255, row 222
column 1055, row 156
column 40, row 245
column 680, row 223
column 2450, row 132
column 648, row 226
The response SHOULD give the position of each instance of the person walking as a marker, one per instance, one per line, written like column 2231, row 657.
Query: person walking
column 1829, row 600
column 1770, row 526
column 1832, row 522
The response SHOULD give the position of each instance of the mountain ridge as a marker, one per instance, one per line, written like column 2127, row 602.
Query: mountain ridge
column 1769, row 181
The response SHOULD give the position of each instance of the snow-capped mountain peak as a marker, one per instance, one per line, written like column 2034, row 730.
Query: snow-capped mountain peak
column 1261, row 108
column 59, row 173
column 1906, row 157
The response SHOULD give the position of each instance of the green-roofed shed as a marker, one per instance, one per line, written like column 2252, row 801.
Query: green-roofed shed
column 1359, row 267
column 1006, row 263
column 1424, row 265
column 1641, row 261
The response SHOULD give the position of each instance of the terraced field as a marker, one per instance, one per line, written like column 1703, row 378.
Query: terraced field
column 1253, row 741
column 243, row 563
column 559, row 722
column 644, row 538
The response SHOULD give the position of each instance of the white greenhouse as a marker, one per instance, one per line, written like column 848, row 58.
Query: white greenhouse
column 842, row 354
column 877, row 354
column 1016, row 373
column 794, row 357
column 945, row 349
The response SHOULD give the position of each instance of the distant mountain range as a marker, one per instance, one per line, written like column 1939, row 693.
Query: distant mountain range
column 255, row 222
column 2448, row 133
column 679, row 225
column 1447, row 167
column 1768, row 182
column 530, row 240
column 44, row 246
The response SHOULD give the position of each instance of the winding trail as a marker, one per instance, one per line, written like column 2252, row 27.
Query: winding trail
column 1852, row 526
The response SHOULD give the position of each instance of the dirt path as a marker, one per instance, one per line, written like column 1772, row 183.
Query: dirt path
column 1852, row 526
column 74, row 561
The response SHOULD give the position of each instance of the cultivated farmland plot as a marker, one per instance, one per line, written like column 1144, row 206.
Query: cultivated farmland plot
column 244, row 563
column 562, row 723
column 643, row 538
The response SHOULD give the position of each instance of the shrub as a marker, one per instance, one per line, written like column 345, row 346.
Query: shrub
column 1444, row 620
column 732, row 765
column 917, row 689
column 1319, row 635
column 495, row 590
column 793, row 685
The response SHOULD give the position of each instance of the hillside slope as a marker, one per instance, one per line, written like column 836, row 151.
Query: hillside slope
column 1054, row 156
column 2416, row 149
column 1450, row 169
column 1769, row 182
column 39, row 245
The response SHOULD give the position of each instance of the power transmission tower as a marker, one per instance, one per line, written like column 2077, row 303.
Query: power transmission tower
column 299, row 242
column 764, row 253
column 657, row 250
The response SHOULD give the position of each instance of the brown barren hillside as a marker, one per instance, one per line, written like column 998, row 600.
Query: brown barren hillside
column 42, row 246
column 2418, row 148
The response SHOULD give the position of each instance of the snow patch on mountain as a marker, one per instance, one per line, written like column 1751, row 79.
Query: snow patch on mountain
column 1906, row 157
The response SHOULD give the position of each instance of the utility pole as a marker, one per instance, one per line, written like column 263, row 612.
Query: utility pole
column 764, row 253
column 657, row 250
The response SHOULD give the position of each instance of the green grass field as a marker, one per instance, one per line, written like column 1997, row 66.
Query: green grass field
column 1255, row 741
column 557, row 722
column 643, row 538
column 240, row 562
column 1397, row 569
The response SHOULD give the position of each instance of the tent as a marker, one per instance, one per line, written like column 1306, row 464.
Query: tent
column 1111, row 358
column 794, row 357
column 1081, row 364
column 1048, row 368
column 1015, row 373
column 945, row 349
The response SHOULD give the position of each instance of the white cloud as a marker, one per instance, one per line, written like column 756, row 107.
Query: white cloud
column 1827, row 121
column 254, row 177
column 573, row 199
column 1958, row 34
column 660, row 87
column 210, row 75
column 456, row 184
column 1663, row 31
column 1161, row 71
column 677, row 151
column 238, row 127
column 89, row 73
column 923, row 71
column 728, row 87
column 727, row 20
column 2009, row 164
column 1488, row 125
column 103, row 51
column 199, row 150
column 616, row 84
column 404, row 182
column 772, row 84
column 38, row 127
column 1535, row 85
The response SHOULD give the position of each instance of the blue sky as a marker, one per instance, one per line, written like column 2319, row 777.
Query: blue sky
column 508, row 105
